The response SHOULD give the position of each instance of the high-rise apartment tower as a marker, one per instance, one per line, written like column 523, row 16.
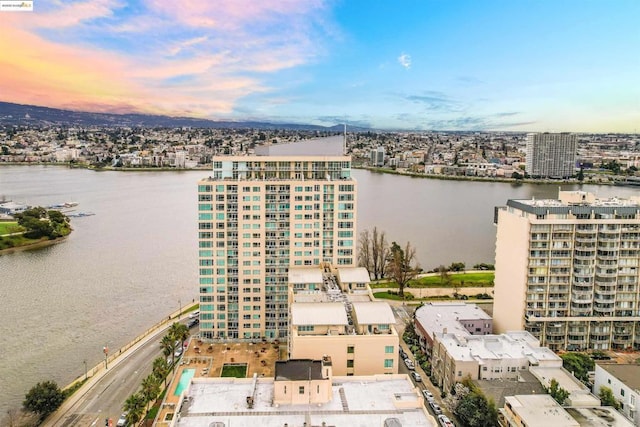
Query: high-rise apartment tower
column 551, row 155
column 287, row 205
column 567, row 271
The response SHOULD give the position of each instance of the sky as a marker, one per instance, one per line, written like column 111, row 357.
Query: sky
column 504, row 65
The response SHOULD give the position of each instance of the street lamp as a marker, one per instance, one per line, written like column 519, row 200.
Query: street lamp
column 180, row 312
column 85, row 369
column 105, row 349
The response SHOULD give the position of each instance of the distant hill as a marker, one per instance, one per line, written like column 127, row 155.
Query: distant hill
column 18, row 114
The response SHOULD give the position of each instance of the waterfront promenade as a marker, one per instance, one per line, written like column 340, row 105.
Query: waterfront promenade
column 97, row 374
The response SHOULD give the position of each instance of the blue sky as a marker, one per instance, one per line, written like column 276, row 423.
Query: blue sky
column 416, row 65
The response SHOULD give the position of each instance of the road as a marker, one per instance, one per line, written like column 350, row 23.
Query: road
column 106, row 397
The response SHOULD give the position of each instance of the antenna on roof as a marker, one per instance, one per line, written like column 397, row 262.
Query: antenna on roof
column 344, row 145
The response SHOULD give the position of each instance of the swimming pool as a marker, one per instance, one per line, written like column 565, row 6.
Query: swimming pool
column 185, row 377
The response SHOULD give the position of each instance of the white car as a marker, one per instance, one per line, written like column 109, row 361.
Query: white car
column 445, row 421
column 122, row 421
column 409, row 364
column 416, row 377
column 428, row 396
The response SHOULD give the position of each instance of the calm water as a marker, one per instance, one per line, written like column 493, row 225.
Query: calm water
column 135, row 261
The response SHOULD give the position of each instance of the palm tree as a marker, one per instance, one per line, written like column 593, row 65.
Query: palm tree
column 179, row 331
column 161, row 369
column 134, row 406
column 150, row 389
column 168, row 346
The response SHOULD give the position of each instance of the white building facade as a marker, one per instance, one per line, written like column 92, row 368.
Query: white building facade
column 551, row 155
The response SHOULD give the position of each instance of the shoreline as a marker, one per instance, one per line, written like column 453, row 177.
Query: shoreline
column 378, row 170
column 36, row 245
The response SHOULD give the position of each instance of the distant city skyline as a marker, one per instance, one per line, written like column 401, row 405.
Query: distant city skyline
column 542, row 66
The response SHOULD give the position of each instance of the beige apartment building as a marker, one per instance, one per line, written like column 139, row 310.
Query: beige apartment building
column 334, row 314
column 567, row 271
column 486, row 357
column 287, row 205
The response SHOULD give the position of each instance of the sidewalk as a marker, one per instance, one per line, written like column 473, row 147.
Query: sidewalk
column 114, row 360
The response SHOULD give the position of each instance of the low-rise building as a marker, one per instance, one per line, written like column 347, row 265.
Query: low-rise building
column 488, row 357
column 450, row 317
column 624, row 382
column 303, row 392
column 333, row 313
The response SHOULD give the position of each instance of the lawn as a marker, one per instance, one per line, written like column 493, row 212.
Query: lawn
column 463, row 280
column 9, row 227
column 235, row 370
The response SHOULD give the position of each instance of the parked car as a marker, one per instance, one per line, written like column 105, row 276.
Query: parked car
column 416, row 377
column 435, row 407
column 428, row 396
column 409, row 364
column 403, row 354
column 195, row 314
column 445, row 421
column 193, row 322
column 122, row 421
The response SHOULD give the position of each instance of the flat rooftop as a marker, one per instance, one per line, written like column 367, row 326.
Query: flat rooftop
column 537, row 410
column 353, row 275
column 357, row 401
column 322, row 313
column 511, row 345
column 436, row 317
column 373, row 313
column 328, row 146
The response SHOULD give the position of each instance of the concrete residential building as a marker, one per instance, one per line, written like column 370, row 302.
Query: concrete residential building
column 567, row 271
column 624, row 382
column 551, row 155
column 543, row 411
column 450, row 317
column 486, row 357
column 303, row 392
column 333, row 313
column 288, row 205
column 377, row 156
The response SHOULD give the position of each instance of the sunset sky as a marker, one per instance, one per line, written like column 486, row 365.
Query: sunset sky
column 524, row 65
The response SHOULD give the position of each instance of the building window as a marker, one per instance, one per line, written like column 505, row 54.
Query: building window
column 388, row 349
column 301, row 389
column 350, row 349
column 349, row 363
column 388, row 363
column 621, row 392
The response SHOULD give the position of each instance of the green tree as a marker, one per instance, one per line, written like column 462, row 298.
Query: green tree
column 559, row 394
column 44, row 398
column 134, row 406
column 578, row 363
column 457, row 266
column 607, row 398
column 400, row 267
column 179, row 332
column 161, row 369
column 474, row 410
column 168, row 346
column 150, row 389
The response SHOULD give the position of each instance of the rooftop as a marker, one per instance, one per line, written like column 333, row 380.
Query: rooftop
column 298, row 369
column 322, row 313
column 356, row 401
column 537, row 410
column 353, row 275
column 329, row 146
column 511, row 345
column 374, row 312
column 436, row 317
column 629, row 374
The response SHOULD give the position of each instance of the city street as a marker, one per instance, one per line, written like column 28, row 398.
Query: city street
column 105, row 398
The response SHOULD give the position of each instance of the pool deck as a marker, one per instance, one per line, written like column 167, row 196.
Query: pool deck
column 207, row 358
